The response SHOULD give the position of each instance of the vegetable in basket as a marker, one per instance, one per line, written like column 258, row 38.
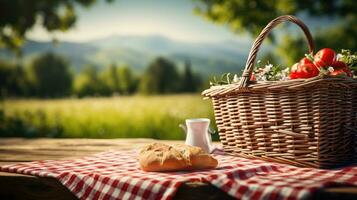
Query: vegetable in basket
column 325, row 62
column 324, row 58
column 303, row 69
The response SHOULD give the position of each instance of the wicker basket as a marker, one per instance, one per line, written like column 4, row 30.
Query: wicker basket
column 302, row 122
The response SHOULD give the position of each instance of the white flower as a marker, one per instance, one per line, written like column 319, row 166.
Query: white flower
column 330, row 69
column 268, row 68
column 285, row 78
column 235, row 78
column 338, row 56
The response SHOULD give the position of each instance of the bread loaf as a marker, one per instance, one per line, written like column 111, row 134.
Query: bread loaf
column 162, row 157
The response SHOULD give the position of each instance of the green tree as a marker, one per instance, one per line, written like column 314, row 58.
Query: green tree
column 252, row 15
column 118, row 80
column 88, row 83
column 190, row 81
column 128, row 83
column 50, row 76
column 161, row 77
column 110, row 78
column 17, row 17
column 13, row 80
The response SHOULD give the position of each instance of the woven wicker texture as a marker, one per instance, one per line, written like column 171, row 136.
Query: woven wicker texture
column 304, row 122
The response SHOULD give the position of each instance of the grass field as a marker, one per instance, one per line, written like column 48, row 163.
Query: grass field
column 117, row 117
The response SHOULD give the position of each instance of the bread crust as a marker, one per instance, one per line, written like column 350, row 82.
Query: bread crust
column 161, row 157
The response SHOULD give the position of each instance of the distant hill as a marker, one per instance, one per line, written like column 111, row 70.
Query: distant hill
column 75, row 53
column 138, row 51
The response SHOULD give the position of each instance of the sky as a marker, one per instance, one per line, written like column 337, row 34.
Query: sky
column 174, row 19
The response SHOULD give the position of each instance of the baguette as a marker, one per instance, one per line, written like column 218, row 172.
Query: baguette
column 158, row 157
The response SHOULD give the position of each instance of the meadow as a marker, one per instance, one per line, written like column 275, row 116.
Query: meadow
column 115, row 117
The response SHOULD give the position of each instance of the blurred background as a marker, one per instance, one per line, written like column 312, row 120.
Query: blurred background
column 135, row 68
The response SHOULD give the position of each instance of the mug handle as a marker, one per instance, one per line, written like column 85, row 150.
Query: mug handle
column 184, row 128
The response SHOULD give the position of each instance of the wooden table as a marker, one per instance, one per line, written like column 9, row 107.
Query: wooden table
column 16, row 186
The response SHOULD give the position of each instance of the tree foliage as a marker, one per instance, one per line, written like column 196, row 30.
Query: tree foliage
column 110, row 79
column 190, row 82
column 88, row 83
column 250, row 16
column 17, row 17
column 161, row 77
column 13, row 80
column 50, row 76
column 118, row 80
column 127, row 81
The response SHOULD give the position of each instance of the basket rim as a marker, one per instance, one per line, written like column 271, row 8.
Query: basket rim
column 294, row 84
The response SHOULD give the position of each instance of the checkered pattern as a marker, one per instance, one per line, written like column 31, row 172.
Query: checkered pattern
column 116, row 175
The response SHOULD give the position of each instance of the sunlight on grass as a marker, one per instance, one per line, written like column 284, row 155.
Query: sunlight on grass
column 137, row 116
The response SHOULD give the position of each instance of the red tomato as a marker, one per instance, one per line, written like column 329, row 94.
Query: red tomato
column 338, row 66
column 307, row 71
column 324, row 57
column 304, row 61
column 293, row 75
column 252, row 77
column 293, row 70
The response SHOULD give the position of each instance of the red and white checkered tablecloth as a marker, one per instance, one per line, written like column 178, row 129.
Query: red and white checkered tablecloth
column 116, row 175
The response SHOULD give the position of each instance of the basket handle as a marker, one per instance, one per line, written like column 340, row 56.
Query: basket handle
column 244, row 82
